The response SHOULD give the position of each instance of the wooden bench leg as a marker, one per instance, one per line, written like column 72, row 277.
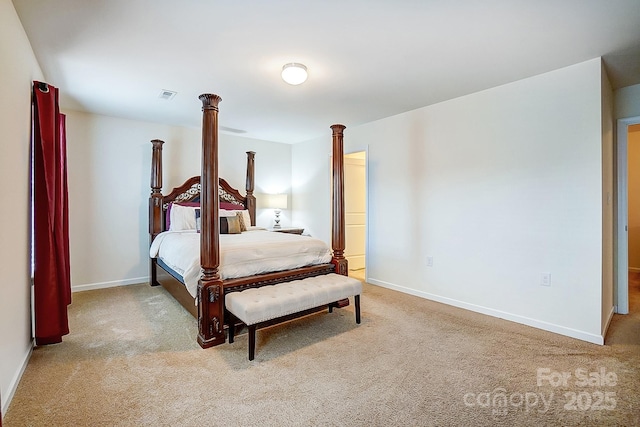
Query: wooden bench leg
column 232, row 328
column 252, row 341
column 357, row 301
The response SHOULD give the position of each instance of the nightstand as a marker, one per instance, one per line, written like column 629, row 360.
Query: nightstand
column 291, row 230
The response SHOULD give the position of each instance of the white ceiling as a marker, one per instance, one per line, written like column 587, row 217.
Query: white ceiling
column 367, row 59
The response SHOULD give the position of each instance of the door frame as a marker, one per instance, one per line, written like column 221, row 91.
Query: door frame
column 621, row 304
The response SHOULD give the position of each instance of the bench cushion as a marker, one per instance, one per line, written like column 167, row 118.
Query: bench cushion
column 258, row 305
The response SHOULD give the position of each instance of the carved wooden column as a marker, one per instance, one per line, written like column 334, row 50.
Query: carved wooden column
column 210, row 293
column 337, row 204
column 250, row 186
column 155, row 202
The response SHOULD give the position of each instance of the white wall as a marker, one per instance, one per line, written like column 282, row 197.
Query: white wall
column 109, row 161
column 627, row 102
column 311, row 186
column 607, row 201
column 19, row 68
column 498, row 187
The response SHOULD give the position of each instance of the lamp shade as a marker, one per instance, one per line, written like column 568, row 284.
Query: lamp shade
column 294, row 73
column 276, row 201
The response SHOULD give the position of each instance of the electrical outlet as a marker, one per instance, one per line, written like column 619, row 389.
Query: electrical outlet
column 545, row 279
column 429, row 261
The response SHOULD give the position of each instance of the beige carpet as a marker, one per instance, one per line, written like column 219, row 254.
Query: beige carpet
column 132, row 360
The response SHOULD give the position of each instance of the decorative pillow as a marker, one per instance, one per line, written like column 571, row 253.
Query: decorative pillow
column 167, row 218
column 226, row 209
column 245, row 215
column 230, row 225
column 225, row 212
column 183, row 217
column 243, row 225
column 247, row 218
column 187, row 215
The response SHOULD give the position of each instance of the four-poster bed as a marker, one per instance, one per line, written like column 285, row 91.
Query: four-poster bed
column 211, row 191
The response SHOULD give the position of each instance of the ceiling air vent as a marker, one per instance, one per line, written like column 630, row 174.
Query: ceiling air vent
column 167, row 95
column 232, row 130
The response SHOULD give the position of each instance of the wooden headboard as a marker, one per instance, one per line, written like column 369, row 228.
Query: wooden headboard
column 189, row 191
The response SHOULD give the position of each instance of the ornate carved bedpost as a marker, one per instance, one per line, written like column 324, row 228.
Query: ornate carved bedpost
column 155, row 202
column 250, row 185
column 210, row 292
column 337, row 203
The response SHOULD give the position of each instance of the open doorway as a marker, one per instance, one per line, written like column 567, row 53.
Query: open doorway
column 355, row 201
column 628, row 217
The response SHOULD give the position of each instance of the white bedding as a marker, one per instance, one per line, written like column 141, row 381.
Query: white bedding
column 245, row 254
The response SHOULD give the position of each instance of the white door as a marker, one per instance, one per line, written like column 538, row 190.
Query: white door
column 355, row 201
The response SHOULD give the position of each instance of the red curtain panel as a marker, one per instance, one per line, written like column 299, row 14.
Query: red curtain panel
column 52, row 281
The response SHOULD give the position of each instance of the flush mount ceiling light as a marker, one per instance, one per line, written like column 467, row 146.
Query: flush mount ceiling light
column 294, row 73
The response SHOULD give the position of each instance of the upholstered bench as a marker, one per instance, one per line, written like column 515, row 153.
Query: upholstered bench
column 268, row 305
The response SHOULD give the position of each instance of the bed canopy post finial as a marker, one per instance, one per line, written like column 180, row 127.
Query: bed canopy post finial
column 250, row 186
column 210, row 292
column 337, row 202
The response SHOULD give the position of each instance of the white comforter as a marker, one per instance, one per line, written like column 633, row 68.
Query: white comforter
column 245, row 254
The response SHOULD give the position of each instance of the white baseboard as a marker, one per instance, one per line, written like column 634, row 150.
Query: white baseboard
column 112, row 284
column 608, row 322
column 558, row 329
column 13, row 385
